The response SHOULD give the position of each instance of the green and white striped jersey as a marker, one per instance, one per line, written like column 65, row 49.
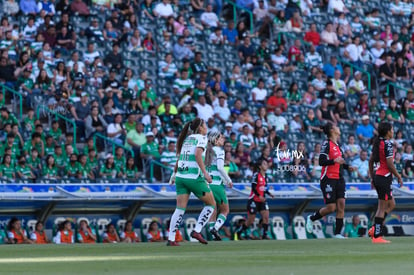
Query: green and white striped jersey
column 187, row 165
column 213, row 171
column 169, row 157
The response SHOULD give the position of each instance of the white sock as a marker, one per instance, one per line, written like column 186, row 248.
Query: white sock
column 220, row 221
column 204, row 217
column 175, row 222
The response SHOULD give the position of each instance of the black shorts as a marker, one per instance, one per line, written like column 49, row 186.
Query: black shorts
column 332, row 189
column 253, row 206
column 383, row 185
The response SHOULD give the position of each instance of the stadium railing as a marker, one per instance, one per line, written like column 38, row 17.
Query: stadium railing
column 396, row 86
column 114, row 145
column 57, row 115
column 356, row 68
column 235, row 7
column 5, row 89
column 162, row 166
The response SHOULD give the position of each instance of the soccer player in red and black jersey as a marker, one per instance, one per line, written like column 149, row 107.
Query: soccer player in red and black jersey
column 257, row 199
column 332, row 181
column 383, row 156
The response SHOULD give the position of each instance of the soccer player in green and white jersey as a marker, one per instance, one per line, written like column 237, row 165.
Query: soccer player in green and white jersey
column 215, row 166
column 190, row 176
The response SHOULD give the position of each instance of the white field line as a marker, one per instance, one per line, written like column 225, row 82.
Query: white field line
column 77, row 259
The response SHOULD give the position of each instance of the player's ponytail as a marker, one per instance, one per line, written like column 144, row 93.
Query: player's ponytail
column 212, row 138
column 189, row 128
column 383, row 129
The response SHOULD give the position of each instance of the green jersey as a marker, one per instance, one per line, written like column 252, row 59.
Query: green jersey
column 56, row 134
column 151, row 149
column 34, row 162
column 24, row 170
column 60, row 160
column 93, row 164
column 120, row 163
column 84, row 170
column 7, row 171
column 73, row 169
column 49, row 150
column 109, row 172
column 50, row 172
column 131, row 173
column 187, row 164
column 187, row 117
column 29, row 123
column 352, row 231
column 28, row 146
column 213, row 170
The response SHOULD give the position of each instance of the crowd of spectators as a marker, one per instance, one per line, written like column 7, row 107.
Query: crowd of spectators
column 304, row 64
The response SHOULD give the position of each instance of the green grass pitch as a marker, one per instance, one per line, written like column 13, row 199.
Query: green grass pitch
column 331, row 256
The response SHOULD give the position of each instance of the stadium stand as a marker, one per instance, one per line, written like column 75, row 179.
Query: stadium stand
column 60, row 60
column 266, row 73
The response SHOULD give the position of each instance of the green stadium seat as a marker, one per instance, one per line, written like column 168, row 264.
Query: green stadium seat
column 298, row 228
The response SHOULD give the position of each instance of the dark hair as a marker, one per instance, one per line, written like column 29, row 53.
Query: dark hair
column 383, row 129
column 327, row 129
column 4, row 158
column 11, row 223
column 63, row 224
column 193, row 125
column 259, row 163
column 37, row 224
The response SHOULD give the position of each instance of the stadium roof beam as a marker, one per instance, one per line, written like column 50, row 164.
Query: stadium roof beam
column 133, row 210
column 300, row 208
column 44, row 213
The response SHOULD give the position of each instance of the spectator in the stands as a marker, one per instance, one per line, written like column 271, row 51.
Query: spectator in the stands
column 163, row 9
column 246, row 49
column 278, row 122
column 393, row 113
column 11, row 7
column 78, row 6
column 29, row 7
column 276, row 100
column 114, row 59
column 328, row 36
column 324, row 114
column 313, row 35
column 230, row 34
column 150, row 149
column 330, row 68
column 311, row 122
column 361, row 164
column 221, row 111
column 365, row 131
column 47, row 6
column 339, row 85
column 181, row 51
column 294, row 24
column 16, row 234
column 116, row 130
column 208, row 18
column 167, row 68
column 204, row 110
column 7, row 169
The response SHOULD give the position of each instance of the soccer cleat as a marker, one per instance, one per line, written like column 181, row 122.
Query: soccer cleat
column 216, row 235
column 380, row 239
column 309, row 224
column 339, row 236
column 371, row 231
column 171, row 243
column 198, row 237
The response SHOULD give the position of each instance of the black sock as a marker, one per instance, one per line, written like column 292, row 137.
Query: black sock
column 378, row 227
column 385, row 216
column 316, row 216
column 265, row 228
column 338, row 226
